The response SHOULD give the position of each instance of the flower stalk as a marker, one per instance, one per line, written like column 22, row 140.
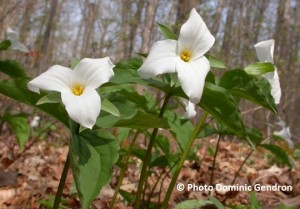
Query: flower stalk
column 182, row 159
column 144, row 172
column 62, row 183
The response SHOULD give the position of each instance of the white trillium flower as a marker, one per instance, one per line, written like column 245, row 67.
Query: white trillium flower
column 185, row 57
column 77, row 87
column 285, row 133
column 190, row 109
column 13, row 37
column 35, row 121
column 265, row 51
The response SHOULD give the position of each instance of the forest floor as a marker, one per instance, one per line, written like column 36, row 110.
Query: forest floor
column 29, row 178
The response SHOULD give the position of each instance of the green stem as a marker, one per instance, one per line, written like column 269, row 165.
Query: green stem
column 147, row 159
column 123, row 170
column 61, row 183
column 182, row 159
column 237, row 173
column 214, row 162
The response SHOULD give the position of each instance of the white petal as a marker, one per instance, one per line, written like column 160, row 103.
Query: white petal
column 195, row 36
column 19, row 46
column 192, row 76
column 12, row 35
column 55, row 79
column 83, row 109
column 265, row 50
column 273, row 79
column 285, row 134
column 161, row 59
column 190, row 110
column 93, row 73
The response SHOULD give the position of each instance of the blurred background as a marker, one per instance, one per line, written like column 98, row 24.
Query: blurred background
column 56, row 30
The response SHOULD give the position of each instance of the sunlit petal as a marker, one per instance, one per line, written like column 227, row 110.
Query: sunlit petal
column 57, row 78
column 195, row 36
column 13, row 37
column 161, row 59
column 273, row 79
column 83, row 109
column 265, row 50
column 93, row 73
column 192, row 77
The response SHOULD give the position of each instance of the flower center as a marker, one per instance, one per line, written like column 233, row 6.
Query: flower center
column 77, row 89
column 185, row 55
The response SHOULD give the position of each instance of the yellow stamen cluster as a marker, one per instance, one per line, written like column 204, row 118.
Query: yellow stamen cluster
column 185, row 55
column 77, row 89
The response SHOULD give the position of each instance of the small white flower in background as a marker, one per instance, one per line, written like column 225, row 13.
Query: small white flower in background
column 35, row 121
column 265, row 51
column 190, row 109
column 185, row 57
column 284, row 133
column 77, row 87
column 13, row 37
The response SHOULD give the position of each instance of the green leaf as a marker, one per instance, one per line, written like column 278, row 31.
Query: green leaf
column 193, row 204
column 143, row 120
column 92, row 156
column 12, row 69
column 254, row 203
column 215, row 62
column 19, row 126
column 242, row 85
column 17, row 89
column 279, row 153
column 53, row 97
column 167, row 32
column 286, row 207
column 259, row 68
column 4, row 45
column 163, row 143
column 74, row 62
column 218, row 102
column 180, row 128
column 216, row 202
column 110, row 108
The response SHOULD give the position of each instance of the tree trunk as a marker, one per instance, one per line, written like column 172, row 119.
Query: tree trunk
column 47, row 36
column 149, row 24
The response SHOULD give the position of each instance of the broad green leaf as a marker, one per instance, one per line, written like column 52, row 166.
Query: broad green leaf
column 4, row 45
column 193, row 204
column 215, row 62
column 181, row 128
column 259, row 68
column 74, row 62
column 167, row 32
column 143, row 120
column 254, row 203
column 19, row 126
column 218, row 102
column 279, row 153
column 53, row 97
column 17, row 89
column 123, row 133
column 126, row 73
column 12, row 69
column 110, row 108
column 242, row 85
column 206, row 131
column 92, row 156
column 163, row 143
